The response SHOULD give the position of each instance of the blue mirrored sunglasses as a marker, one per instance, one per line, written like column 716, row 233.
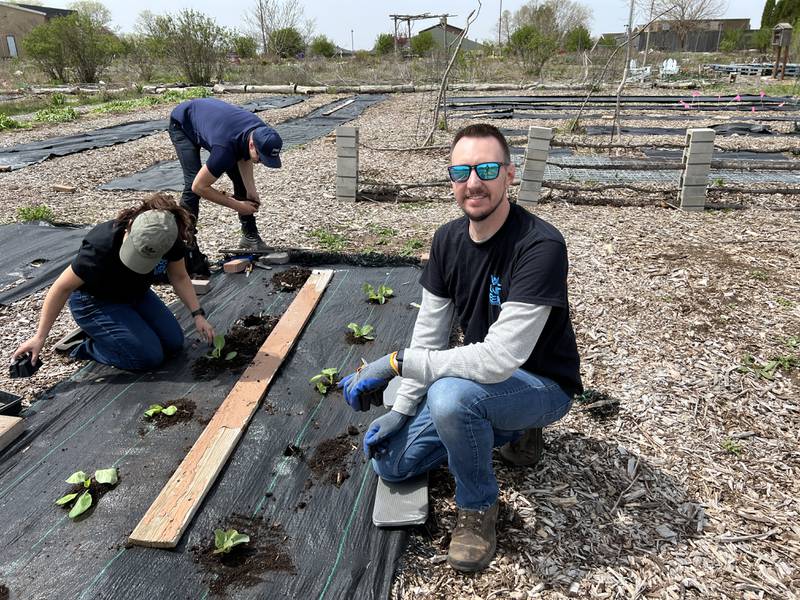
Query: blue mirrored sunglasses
column 485, row 171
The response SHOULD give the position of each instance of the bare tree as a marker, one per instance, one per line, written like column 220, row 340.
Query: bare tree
column 268, row 16
column 684, row 14
column 553, row 16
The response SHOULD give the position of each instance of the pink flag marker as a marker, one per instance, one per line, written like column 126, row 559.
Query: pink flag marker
column 761, row 93
column 752, row 109
column 738, row 98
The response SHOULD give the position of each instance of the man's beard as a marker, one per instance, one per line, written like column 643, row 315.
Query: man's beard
column 484, row 216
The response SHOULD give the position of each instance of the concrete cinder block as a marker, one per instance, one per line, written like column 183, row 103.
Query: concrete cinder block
column 237, row 265
column 530, row 186
column 702, row 134
column 698, row 159
column 345, row 152
column 690, row 179
column 538, row 144
column 544, row 133
column 346, row 167
column 346, row 131
column 201, row 286
column 346, row 142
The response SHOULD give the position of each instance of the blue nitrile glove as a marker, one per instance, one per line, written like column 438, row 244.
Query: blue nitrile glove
column 366, row 385
column 380, row 430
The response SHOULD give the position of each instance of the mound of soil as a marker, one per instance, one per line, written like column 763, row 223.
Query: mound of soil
column 244, row 338
column 350, row 338
column 185, row 412
column 598, row 404
column 243, row 566
column 96, row 491
column 290, row 279
column 331, row 459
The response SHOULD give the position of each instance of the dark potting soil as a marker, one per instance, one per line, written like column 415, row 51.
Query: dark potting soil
column 331, row 458
column 598, row 404
column 243, row 566
column 4, row 592
column 185, row 412
column 290, row 279
column 245, row 338
column 96, row 490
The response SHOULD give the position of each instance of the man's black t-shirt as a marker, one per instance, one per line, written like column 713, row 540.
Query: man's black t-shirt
column 104, row 275
column 525, row 261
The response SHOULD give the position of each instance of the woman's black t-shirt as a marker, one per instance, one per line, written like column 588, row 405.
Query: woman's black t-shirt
column 105, row 277
column 525, row 261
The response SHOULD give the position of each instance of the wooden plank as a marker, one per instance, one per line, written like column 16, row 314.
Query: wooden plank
column 10, row 429
column 339, row 107
column 173, row 509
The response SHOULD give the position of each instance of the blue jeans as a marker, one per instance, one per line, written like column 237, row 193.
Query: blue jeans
column 189, row 157
column 460, row 421
column 135, row 336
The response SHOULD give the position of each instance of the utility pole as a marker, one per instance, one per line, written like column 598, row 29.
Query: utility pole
column 352, row 43
column 647, row 37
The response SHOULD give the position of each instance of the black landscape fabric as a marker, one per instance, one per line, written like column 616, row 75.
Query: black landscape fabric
column 33, row 255
column 167, row 175
column 22, row 155
column 95, row 420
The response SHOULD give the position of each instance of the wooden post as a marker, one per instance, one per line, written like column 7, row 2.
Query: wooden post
column 696, row 166
column 534, row 163
column 785, row 60
column 346, row 163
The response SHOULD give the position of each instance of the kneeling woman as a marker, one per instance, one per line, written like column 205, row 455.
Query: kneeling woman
column 123, row 322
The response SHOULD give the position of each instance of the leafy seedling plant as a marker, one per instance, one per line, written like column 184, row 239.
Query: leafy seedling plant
column 362, row 332
column 219, row 346
column 225, row 541
column 157, row 409
column 325, row 379
column 84, row 499
column 378, row 296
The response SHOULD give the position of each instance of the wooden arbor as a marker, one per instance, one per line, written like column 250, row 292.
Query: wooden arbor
column 781, row 39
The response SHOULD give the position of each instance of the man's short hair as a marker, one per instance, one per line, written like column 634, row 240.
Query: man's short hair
column 483, row 130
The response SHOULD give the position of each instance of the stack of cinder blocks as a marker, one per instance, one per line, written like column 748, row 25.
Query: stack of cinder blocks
column 535, row 161
column 346, row 163
column 696, row 166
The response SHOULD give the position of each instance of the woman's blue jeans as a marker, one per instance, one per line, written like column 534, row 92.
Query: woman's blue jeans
column 460, row 421
column 134, row 336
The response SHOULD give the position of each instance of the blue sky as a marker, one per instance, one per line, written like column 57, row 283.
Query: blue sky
column 366, row 20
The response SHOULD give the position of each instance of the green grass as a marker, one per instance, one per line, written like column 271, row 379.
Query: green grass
column 168, row 97
column 55, row 115
column 7, row 122
column 785, row 302
column 411, row 246
column 334, row 242
column 35, row 212
column 759, row 274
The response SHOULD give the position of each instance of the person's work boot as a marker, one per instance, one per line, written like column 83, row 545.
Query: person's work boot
column 474, row 539
column 252, row 241
column 526, row 451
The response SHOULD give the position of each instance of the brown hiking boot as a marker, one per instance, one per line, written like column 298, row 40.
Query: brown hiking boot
column 474, row 540
column 526, row 451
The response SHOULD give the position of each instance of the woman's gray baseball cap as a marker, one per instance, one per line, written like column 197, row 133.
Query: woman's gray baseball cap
column 269, row 144
column 151, row 236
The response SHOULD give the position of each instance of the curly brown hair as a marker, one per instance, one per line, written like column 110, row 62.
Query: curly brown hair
column 162, row 201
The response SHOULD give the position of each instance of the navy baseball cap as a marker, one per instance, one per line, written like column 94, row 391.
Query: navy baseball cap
column 269, row 144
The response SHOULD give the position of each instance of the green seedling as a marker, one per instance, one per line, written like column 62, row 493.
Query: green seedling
column 35, row 212
column 767, row 370
column 759, row 274
column 156, row 409
column 731, row 446
column 224, row 541
column 84, row 499
column 219, row 346
column 325, row 379
column 378, row 296
column 361, row 332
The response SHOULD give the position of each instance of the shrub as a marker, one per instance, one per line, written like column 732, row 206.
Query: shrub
column 577, row 39
column 730, row 41
column 7, row 122
column 245, row 46
column 35, row 212
column 423, row 43
column 384, row 44
column 534, row 47
column 287, row 42
column 322, row 46
column 45, row 48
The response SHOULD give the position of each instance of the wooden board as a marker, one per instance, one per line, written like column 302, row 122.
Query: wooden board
column 10, row 429
column 173, row 509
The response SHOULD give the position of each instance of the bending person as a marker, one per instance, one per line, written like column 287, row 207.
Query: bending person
column 236, row 139
column 123, row 322
column 502, row 272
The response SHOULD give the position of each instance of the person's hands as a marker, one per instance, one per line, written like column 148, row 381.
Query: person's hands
column 33, row 345
column 246, row 207
column 204, row 328
column 380, row 430
column 365, row 386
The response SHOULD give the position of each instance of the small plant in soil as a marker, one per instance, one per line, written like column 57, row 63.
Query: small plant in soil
column 81, row 497
column 378, row 296
column 361, row 333
column 157, row 409
column 731, row 446
column 325, row 379
column 219, row 346
column 225, row 540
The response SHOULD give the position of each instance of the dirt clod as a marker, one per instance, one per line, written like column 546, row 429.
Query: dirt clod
column 598, row 404
column 351, row 338
column 5, row 593
column 329, row 462
column 244, row 339
column 243, row 566
column 292, row 450
column 290, row 279
column 352, row 430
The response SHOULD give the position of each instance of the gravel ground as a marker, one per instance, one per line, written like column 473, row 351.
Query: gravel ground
column 691, row 490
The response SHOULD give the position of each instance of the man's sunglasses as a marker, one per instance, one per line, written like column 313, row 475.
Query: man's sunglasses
column 486, row 171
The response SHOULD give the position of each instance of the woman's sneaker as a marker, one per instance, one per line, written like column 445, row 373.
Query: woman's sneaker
column 71, row 340
column 252, row 241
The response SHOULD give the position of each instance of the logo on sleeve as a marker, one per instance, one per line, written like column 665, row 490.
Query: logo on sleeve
column 494, row 290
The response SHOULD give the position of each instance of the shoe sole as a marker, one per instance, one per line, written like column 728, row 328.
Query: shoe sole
column 472, row 567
